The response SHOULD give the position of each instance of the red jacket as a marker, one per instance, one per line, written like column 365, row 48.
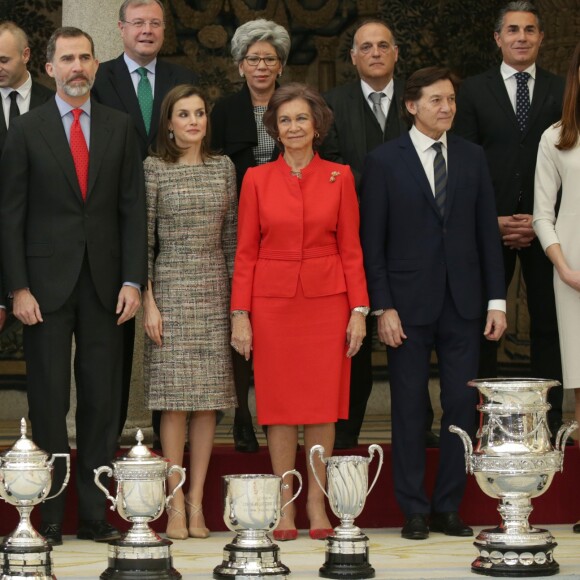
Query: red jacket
column 292, row 229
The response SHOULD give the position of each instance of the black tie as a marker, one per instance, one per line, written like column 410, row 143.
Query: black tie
column 522, row 99
column 440, row 178
column 14, row 110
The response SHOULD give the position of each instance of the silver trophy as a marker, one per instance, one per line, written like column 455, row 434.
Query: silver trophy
column 141, row 485
column 347, row 477
column 25, row 480
column 251, row 509
column 514, row 461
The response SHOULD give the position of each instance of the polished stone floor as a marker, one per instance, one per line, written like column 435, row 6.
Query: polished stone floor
column 392, row 557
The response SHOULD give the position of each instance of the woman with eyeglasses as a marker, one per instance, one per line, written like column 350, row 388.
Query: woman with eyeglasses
column 260, row 49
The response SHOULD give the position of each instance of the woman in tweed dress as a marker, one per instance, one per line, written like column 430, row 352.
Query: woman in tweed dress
column 191, row 212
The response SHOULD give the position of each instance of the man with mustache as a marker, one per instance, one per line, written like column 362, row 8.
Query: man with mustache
column 73, row 239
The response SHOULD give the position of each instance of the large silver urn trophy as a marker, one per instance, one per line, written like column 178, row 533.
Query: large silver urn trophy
column 514, row 461
column 140, row 499
column 252, row 507
column 25, row 480
column 347, row 552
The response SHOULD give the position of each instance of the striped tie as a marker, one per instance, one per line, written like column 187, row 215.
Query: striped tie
column 440, row 178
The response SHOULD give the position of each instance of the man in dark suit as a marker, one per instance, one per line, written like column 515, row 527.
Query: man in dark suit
column 73, row 239
column 18, row 93
column 136, row 83
column 506, row 110
column 359, row 126
column 432, row 255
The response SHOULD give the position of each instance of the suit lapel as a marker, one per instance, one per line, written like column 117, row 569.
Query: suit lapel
column 541, row 91
column 52, row 131
column 453, row 154
column 163, row 82
column 100, row 136
column 3, row 129
column 497, row 88
column 357, row 119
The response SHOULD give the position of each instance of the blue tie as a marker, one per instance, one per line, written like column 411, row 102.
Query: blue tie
column 440, row 178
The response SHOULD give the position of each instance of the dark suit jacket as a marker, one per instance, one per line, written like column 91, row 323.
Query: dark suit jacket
column 346, row 141
column 486, row 116
column 113, row 87
column 234, row 132
column 411, row 254
column 45, row 227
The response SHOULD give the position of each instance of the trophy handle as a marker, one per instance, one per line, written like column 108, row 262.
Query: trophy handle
column 372, row 448
column 299, row 477
column 563, row 434
column 467, row 444
column 171, row 470
column 67, row 477
column 320, row 450
column 105, row 469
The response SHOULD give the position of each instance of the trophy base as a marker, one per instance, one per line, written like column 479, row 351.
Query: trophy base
column 26, row 563
column 248, row 563
column 347, row 558
column 151, row 561
column 515, row 561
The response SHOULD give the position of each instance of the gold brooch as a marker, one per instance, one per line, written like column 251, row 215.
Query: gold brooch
column 333, row 176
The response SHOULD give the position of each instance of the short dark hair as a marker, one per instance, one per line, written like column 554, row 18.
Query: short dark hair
column 321, row 114
column 166, row 148
column 424, row 77
column 373, row 21
column 517, row 6
column 66, row 32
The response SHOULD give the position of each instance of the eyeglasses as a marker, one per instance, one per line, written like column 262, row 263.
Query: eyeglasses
column 141, row 23
column 254, row 60
column 383, row 47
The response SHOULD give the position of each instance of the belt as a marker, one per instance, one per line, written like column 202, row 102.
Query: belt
column 298, row 255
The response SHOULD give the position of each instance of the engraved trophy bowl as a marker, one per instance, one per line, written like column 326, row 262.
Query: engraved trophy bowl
column 140, row 499
column 514, row 461
column 25, row 481
column 347, row 482
column 252, row 508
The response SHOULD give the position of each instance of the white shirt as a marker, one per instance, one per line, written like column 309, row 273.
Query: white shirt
column 136, row 77
column 511, row 84
column 22, row 99
column 389, row 91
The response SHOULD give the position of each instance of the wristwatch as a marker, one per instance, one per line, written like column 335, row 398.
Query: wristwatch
column 364, row 310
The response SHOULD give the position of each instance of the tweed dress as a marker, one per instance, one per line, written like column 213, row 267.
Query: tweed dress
column 191, row 220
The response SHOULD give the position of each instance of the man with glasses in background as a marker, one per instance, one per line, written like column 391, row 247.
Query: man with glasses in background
column 136, row 83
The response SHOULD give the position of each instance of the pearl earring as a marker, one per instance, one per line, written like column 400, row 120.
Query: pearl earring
column 171, row 135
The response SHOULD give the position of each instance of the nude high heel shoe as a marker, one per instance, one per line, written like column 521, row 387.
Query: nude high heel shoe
column 193, row 510
column 176, row 524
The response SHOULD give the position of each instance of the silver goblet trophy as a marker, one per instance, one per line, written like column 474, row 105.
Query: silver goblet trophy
column 251, row 509
column 141, row 483
column 514, row 461
column 347, row 477
column 25, row 480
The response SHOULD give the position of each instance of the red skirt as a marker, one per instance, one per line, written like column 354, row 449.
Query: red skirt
column 301, row 372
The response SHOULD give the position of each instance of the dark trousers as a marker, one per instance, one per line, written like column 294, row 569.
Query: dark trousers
column 97, row 368
column 128, row 347
column 456, row 342
column 545, row 359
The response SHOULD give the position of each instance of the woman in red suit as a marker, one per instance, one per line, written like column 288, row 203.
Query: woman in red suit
column 299, row 296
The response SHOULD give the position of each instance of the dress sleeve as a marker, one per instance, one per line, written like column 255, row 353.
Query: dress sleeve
column 151, row 189
column 546, row 186
column 348, row 240
column 231, row 216
column 248, row 244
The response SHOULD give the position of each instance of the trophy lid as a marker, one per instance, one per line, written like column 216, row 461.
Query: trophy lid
column 140, row 454
column 24, row 450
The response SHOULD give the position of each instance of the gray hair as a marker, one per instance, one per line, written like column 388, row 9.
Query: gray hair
column 17, row 32
column 260, row 30
column 517, row 6
column 66, row 32
column 127, row 3
column 372, row 21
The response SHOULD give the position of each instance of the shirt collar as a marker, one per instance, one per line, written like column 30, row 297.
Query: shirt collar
column 64, row 108
column 388, row 90
column 133, row 66
column 23, row 90
column 508, row 71
column 423, row 142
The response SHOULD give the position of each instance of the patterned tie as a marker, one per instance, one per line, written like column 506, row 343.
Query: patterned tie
column 145, row 96
column 14, row 110
column 440, row 177
column 377, row 109
column 522, row 99
column 80, row 152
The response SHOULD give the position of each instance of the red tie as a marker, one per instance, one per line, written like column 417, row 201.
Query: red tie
column 80, row 152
